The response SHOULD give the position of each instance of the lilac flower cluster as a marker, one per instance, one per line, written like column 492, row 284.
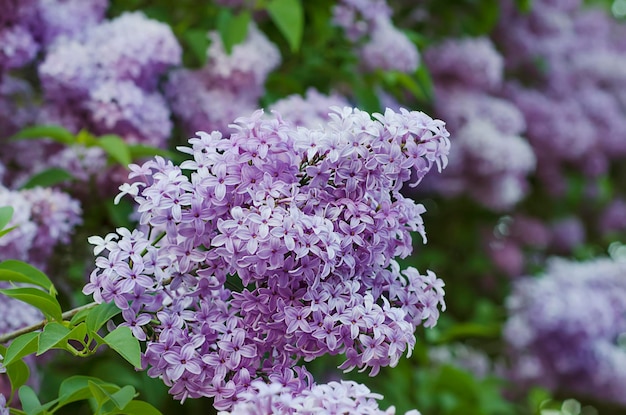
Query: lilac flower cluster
column 559, row 344
column 380, row 45
column 56, row 18
column 279, row 246
column 18, row 46
column 491, row 161
column 28, row 26
column 334, row 397
column 309, row 111
column 44, row 218
column 230, row 84
column 107, row 78
column 573, row 55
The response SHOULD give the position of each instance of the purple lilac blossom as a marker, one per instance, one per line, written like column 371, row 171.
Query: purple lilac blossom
column 566, row 234
column 44, row 217
column 279, row 246
column 558, row 344
column 230, row 84
column 16, row 105
column 488, row 165
column 344, row 397
column 613, row 218
column 359, row 18
column 473, row 62
column 380, row 45
column 56, row 18
column 17, row 47
column 201, row 106
column 309, row 111
column 245, row 69
column 492, row 161
column 108, row 77
column 389, row 49
column 575, row 59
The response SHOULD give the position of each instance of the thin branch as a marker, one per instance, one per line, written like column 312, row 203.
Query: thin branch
column 38, row 326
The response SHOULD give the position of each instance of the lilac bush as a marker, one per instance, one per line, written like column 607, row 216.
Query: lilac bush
column 279, row 246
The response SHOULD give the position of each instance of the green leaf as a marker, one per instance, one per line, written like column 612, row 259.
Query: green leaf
column 37, row 298
column 28, row 398
column 116, row 147
column 233, row 28
column 123, row 397
column 100, row 314
column 52, row 334
column 198, row 43
column 122, row 341
column 6, row 213
column 18, row 373
column 47, row 178
column 7, row 230
column 29, row 274
column 20, row 347
column 54, row 132
column 76, row 388
column 139, row 408
column 524, row 6
column 98, row 392
column 288, row 16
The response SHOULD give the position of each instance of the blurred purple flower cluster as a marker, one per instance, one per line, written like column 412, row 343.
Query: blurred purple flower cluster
column 279, row 246
column 309, row 111
column 106, row 79
column 227, row 86
column 490, row 161
column 379, row 44
column 565, row 330
column 344, row 397
column 44, row 218
column 101, row 76
column 571, row 86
